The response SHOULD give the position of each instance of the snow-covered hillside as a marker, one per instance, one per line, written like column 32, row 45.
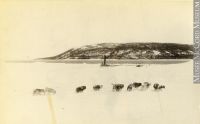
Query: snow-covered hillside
column 129, row 51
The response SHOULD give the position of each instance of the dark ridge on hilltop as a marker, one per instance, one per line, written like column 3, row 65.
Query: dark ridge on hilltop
column 128, row 51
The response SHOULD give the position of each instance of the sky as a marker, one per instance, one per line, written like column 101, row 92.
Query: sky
column 39, row 28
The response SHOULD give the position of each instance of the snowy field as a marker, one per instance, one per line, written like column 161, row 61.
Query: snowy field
column 179, row 103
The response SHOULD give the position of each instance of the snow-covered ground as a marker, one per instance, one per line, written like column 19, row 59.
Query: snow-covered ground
column 179, row 103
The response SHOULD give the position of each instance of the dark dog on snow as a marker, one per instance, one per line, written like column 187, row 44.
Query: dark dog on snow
column 118, row 87
column 157, row 86
column 136, row 84
column 39, row 92
column 80, row 89
column 130, row 87
column 97, row 87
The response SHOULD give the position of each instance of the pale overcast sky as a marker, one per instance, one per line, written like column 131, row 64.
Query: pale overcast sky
column 41, row 28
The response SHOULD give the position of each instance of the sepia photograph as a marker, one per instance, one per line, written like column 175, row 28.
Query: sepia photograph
column 99, row 62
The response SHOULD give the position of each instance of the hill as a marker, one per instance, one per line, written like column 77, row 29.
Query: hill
column 129, row 51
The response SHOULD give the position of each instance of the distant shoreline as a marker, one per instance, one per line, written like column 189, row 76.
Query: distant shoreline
column 110, row 61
